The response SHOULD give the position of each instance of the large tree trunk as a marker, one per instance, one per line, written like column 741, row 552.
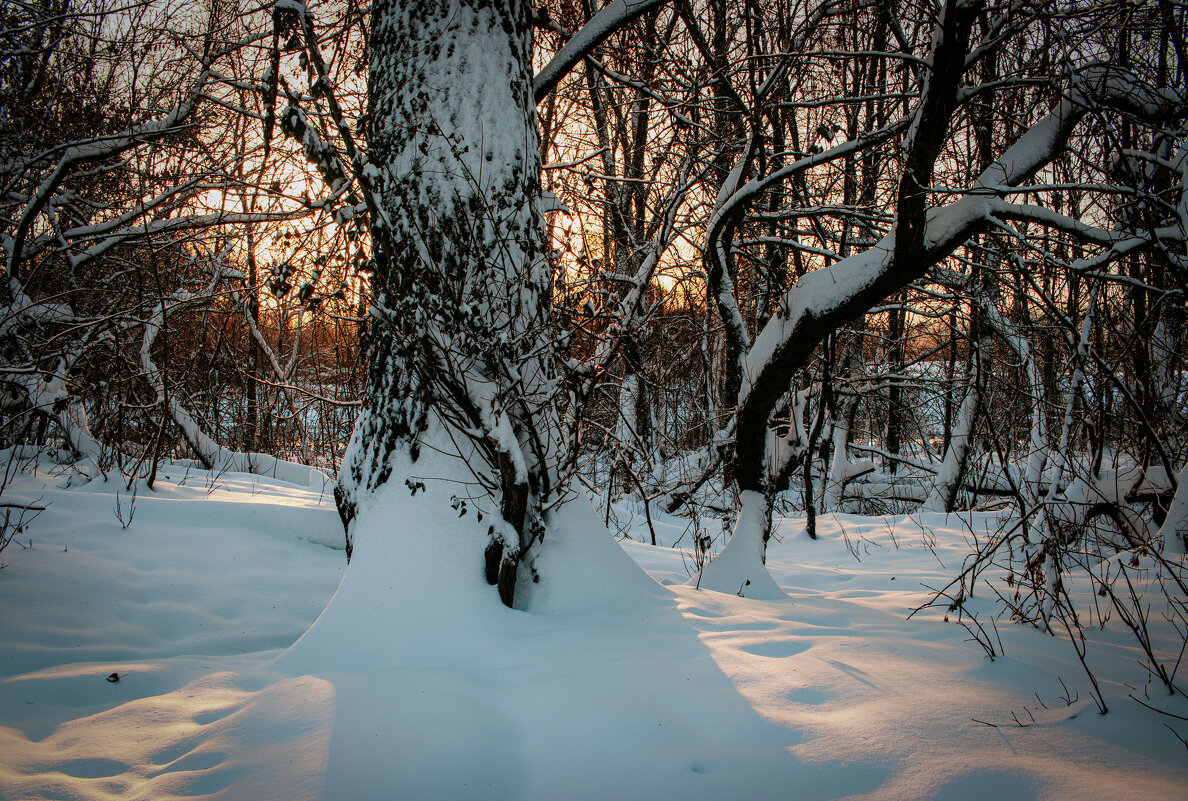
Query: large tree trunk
column 459, row 351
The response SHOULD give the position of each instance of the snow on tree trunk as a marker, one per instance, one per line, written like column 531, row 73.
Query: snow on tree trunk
column 841, row 469
column 739, row 569
column 1174, row 531
column 50, row 396
column 823, row 299
column 626, row 428
column 459, row 356
column 835, row 482
column 952, row 470
column 1168, row 378
column 1037, row 457
column 634, row 427
column 212, row 455
column 948, row 478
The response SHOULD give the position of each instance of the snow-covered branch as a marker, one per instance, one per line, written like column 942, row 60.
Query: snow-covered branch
column 91, row 151
column 612, row 17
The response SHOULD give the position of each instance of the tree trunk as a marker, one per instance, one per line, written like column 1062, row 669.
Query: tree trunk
column 459, row 357
column 952, row 470
column 739, row 568
column 895, row 411
column 823, row 300
column 251, row 428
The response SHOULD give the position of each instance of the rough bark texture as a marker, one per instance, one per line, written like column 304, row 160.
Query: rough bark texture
column 460, row 289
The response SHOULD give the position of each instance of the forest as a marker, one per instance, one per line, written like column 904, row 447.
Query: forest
column 714, row 279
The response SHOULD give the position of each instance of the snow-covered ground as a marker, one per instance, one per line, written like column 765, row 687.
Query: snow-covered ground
column 614, row 687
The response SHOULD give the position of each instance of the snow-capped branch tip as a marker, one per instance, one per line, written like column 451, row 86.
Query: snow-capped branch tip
column 611, row 18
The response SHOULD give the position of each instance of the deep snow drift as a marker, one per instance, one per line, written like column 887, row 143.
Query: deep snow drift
column 416, row 683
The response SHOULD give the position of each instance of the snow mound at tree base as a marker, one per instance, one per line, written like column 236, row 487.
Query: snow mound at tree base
column 599, row 689
column 739, row 568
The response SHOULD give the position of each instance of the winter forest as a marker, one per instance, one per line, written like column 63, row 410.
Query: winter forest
column 701, row 399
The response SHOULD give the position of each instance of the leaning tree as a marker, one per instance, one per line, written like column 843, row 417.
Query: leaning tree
column 934, row 213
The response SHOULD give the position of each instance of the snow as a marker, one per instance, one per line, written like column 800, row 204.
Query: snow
column 610, row 18
column 416, row 683
column 739, row 567
column 955, row 457
column 1174, row 531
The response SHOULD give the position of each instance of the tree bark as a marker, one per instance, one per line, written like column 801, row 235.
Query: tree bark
column 461, row 290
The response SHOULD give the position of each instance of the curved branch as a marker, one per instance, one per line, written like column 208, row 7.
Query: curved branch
column 614, row 16
column 89, row 152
